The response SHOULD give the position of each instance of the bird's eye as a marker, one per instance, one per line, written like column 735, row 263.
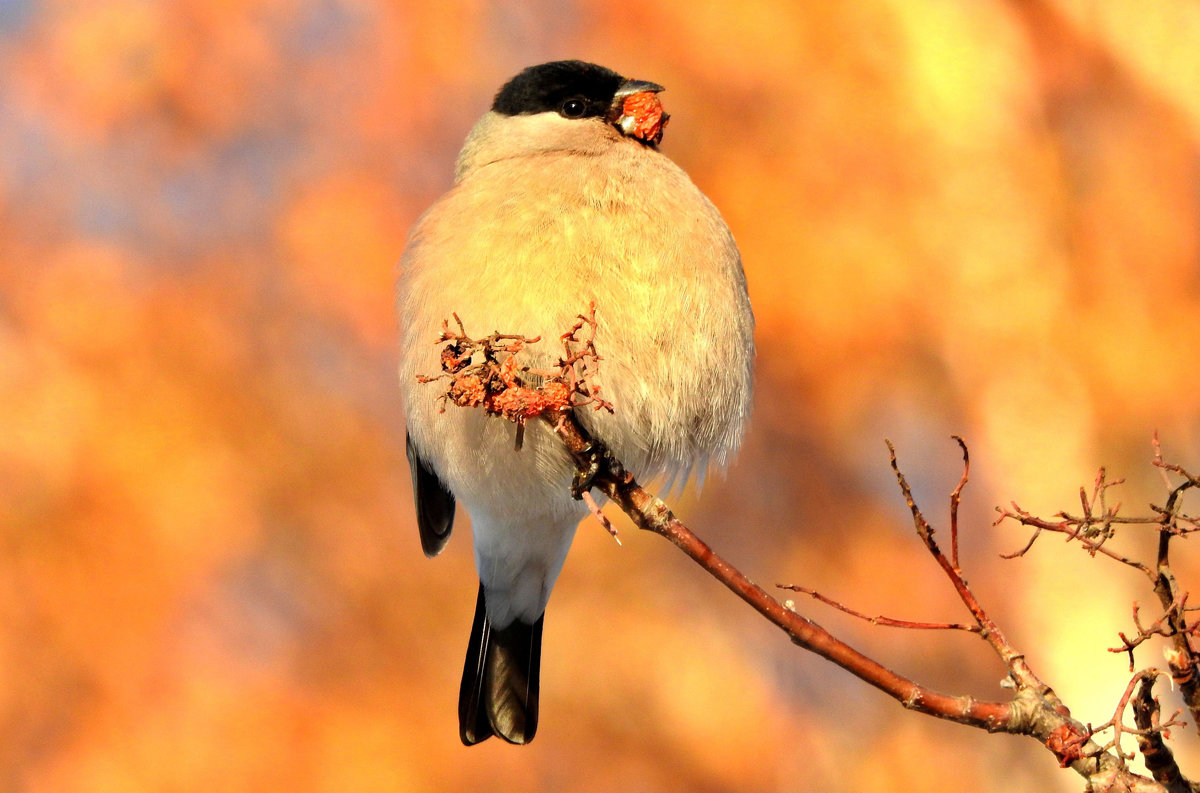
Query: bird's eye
column 573, row 108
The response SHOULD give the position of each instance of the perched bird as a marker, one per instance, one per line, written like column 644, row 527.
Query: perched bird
column 561, row 198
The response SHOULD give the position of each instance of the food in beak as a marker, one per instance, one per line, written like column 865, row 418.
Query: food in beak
column 642, row 117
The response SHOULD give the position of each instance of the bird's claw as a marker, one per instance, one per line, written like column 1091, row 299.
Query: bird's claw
column 592, row 459
column 586, row 474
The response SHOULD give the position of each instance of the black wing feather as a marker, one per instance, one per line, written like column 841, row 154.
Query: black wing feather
column 435, row 504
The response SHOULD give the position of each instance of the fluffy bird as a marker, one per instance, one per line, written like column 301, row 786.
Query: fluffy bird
column 561, row 198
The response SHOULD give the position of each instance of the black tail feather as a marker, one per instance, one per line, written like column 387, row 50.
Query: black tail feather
column 499, row 693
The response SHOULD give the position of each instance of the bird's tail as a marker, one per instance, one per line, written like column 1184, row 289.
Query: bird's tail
column 499, row 694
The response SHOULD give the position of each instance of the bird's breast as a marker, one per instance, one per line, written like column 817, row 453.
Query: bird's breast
column 525, row 247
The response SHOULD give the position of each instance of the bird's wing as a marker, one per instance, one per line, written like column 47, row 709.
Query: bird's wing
column 434, row 503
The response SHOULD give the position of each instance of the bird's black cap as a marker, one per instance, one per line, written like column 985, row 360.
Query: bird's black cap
column 547, row 87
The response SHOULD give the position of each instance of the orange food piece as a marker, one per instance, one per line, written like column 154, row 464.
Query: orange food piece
column 643, row 116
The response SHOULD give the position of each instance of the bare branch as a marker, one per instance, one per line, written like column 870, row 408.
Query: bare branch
column 1097, row 524
column 486, row 373
column 955, row 498
column 1117, row 722
column 1160, row 627
column 1013, row 659
column 1075, row 529
column 1160, row 760
column 887, row 622
column 600, row 517
column 651, row 514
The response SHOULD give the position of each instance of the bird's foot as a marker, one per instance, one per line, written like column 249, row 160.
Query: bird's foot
column 590, row 460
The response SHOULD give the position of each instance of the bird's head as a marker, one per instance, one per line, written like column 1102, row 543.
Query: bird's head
column 565, row 106
column 581, row 91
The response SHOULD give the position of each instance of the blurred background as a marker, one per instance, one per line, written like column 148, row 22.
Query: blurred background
column 979, row 218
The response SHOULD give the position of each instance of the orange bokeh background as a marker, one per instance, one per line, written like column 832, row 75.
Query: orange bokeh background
column 975, row 218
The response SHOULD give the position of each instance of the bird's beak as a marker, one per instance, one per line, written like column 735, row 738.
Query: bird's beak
column 636, row 87
column 637, row 112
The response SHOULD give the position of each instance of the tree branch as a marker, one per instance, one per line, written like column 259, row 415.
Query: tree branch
column 1160, row 761
column 650, row 513
column 887, row 622
column 1034, row 709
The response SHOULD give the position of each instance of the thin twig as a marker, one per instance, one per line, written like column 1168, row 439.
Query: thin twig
column 1018, row 668
column 955, row 498
column 1160, row 627
column 594, row 508
column 887, row 622
column 1073, row 528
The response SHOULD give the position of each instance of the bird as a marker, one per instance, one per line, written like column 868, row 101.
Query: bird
column 562, row 199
